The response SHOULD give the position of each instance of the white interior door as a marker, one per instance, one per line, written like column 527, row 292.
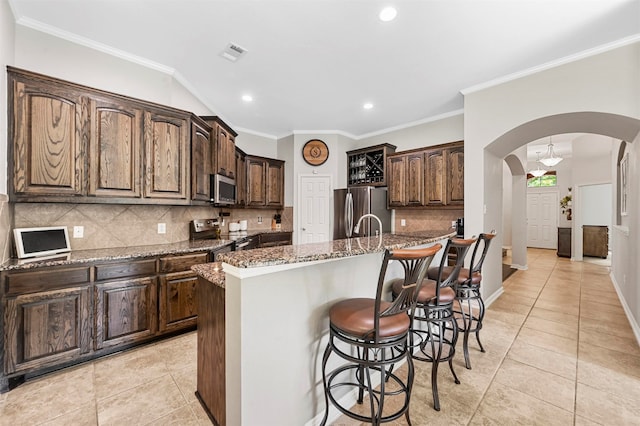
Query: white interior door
column 314, row 224
column 542, row 220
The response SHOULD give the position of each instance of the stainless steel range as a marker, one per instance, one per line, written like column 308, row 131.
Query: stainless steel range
column 208, row 229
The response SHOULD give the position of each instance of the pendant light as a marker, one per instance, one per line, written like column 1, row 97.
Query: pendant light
column 538, row 171
column 550, row 159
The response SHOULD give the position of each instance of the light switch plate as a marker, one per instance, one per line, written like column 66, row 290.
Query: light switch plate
column 162, row 228
column 403, row 222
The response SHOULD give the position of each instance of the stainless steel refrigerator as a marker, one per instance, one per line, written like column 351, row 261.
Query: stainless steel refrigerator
column 350, row 204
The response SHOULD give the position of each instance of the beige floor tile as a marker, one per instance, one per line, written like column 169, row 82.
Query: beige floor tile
column 565, row 308
column 85, row 416
column 583, row 421
column 627, row 345
column 606, row 326
column 551, row 315
column 183, row 416
column 136, row 367
column 608, row 298
column 537, row 383
column 552, row 327
column 186, row 379
column 610, row 318
column 618, row 383
column 607, row 358
column 49, row 397
column 548, row 341
column 505, row 305
column 200, row 413
column 544, row 359
column 602, row 308
column 143, row 404
column 507, row 406
column 480, row 419
column 179, row 352
column 506, row 317
column 605, row 408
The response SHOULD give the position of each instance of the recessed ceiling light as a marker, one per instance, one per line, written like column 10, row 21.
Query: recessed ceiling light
column 247, row 98
column 388, row 14
column 368, row 105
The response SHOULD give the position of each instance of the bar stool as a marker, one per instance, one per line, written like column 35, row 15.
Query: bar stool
column 372, row 336
column 434, row 330
column 468, row 297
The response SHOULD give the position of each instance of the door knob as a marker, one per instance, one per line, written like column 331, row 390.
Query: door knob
column 304, row 229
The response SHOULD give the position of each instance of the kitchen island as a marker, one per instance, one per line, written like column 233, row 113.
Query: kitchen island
column 263, row 324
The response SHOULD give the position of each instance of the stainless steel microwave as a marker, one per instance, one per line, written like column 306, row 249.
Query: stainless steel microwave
column 223, row 190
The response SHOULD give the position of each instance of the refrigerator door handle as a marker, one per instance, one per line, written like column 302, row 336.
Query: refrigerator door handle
column 348, row 214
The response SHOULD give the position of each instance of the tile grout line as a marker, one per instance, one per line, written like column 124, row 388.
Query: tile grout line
column 493, row 377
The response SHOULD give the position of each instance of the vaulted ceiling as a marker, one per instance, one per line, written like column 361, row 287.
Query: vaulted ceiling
column 312, row 64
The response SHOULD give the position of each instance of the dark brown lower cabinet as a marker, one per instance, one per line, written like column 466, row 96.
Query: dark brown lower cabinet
column 47, row 328
column 211, row 381
column 126, row 311
column 177, row 304
column 564, row 242
column 56, row 316
column 595, row 241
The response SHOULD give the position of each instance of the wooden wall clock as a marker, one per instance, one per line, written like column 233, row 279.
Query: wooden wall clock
column 315, row 152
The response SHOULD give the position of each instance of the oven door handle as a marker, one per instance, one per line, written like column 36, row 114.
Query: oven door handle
column 241, row 245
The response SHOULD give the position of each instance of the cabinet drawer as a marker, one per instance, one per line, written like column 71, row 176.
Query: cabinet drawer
column 182, row 263
column 31, row 282
column 127, row 269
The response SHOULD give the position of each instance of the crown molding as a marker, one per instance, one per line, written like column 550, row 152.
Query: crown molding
column 412, row 124
column 553, row 64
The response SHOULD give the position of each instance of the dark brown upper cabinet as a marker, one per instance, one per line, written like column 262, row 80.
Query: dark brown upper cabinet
column 427, row 177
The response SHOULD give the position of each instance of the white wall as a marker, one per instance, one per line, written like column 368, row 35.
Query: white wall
column 7, row 33
column 449, row 129
column 500, row 118
column 285, row 152
column 45, row 54
column 595, row 205
column 7, row 36
column 258, row 145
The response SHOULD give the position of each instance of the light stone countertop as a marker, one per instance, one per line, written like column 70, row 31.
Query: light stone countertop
column 299, row 253
column 119, row 253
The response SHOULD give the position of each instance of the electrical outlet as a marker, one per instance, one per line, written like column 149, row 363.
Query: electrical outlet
column 403, row 222
column 453, row 224
column 162, row 228
column 78, row 231
column 259, row 219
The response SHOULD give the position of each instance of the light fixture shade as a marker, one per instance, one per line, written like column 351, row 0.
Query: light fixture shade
column 550, row 159
column 537, row 172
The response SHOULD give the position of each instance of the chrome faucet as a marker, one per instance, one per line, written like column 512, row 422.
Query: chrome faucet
column 357, row 227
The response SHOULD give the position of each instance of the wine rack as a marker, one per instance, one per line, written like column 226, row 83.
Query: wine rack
column 367, row 166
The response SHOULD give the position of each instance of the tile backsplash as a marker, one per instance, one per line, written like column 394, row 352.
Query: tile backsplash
column 423, row 219
column 117, row 225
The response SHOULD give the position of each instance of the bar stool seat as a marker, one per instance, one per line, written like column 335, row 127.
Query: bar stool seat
column 355, row 317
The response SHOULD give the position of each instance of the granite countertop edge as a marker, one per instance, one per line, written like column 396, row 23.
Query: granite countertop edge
column 301, row 253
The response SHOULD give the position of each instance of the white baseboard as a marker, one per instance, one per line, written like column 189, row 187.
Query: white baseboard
column 519, row 267
column 489, row 300
column 634, row 324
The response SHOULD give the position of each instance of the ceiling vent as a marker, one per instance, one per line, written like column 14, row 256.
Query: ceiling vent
column 233, row 52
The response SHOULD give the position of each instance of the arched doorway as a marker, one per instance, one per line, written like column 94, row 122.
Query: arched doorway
column 607, row 124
